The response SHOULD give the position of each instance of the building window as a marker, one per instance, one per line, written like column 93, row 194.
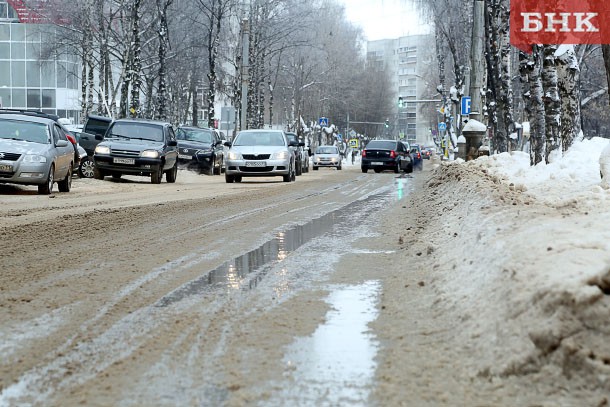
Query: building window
column 18, row 73
column 48, row 97
column 18, row 50
column 34, row 99
column 33, row 74
column 5, row 73
column 5, row 97
column 18, row 98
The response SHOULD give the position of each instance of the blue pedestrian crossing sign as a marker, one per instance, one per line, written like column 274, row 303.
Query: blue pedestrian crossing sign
column 323, row 121
column 442, row 126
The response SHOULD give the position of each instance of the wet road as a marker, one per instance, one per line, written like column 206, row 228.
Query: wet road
column 214, row 300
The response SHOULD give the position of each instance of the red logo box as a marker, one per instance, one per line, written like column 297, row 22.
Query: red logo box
column 559, row 22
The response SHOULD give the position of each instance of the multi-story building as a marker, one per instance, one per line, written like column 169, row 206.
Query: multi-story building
column 27, row 81
column 410, row 61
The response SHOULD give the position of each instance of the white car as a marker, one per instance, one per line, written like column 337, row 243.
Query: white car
column 260, row 153
column 326, row 156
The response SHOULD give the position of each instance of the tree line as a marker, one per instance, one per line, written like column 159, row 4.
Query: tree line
column 559, row 90
column 164, row 59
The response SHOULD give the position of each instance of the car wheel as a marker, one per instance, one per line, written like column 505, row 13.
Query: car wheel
column 98, row 174
column 238, row 178
column 377, row 170
column 210, row 171
column 85, row 168
column 170, row 176
column 229, row 179
column 47, row 187
column 66, row 184
column 397, row 168
column 409, row 168
column 116, row 175
column 157, row 175
column 315, row 168
column 339, row 168
column 299, row 170
column 364, row 169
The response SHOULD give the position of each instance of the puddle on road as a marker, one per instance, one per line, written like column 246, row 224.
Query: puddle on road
column 257, row 263
column 335, row 365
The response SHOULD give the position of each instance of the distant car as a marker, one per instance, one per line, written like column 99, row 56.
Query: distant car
column 418, row 160
column 137, row 147
column 34, row 150
column 381, row 155
column 326, row 156
column 200, row 148
column 425, row 153
column 260, row 153
column 301, row 156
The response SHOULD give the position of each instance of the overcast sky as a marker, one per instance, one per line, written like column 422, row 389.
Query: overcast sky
column 383, row 19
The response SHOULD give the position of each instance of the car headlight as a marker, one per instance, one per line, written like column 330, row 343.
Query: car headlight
column 234, row 156
column 34, row 158
column 149, row 154
column 280, row 155
column 102, row 150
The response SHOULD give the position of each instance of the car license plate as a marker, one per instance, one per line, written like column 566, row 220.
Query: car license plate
column 256, row 164
column 185, row 156
column 6, row 168
column 124, row 161
column 376, row 163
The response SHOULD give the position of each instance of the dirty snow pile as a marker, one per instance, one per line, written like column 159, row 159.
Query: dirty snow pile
column 527, row 258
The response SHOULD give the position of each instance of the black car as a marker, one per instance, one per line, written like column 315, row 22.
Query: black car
column 201, row 148
column 297, row 149
column 380, row 155
column 418, row 158
column 137, row 147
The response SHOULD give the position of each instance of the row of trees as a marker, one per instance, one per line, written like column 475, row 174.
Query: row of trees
column 163, row 58
column 558, row 89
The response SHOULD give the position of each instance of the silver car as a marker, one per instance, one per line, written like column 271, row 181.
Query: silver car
column 260, row 153
column 35, row 151
column 326, row 156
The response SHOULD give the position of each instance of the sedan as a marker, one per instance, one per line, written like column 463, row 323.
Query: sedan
column 260, row 153
column 326, row 156
column 380, row 155
column 35, row 151
column 200, row 148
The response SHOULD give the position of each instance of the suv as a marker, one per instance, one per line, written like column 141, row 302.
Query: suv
column 137, row 147
column 34, row 150
column 299, row 152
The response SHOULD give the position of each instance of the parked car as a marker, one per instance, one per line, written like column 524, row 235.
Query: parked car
column 34, row 150
column 381, row 155
column 93, row 132
column 326, row 156
column 418, row 161
column 200, row 148
column 301, row 156
column 260, row 153
column 137, row 147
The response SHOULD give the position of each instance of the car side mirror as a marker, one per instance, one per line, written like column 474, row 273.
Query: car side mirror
column 227, row 143
column 61, row 143
column 172, row 143
column 99, row 137
column 293, row 144
column 301, row 144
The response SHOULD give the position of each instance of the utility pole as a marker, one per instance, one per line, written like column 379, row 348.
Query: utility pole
column 245, row 72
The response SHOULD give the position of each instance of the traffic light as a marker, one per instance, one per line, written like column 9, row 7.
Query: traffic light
column 400, row 102
column 387, row 123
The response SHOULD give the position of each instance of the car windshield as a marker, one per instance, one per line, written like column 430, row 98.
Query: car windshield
column 25, row 131
column 144, row 131
column 200, row 135
column 327, row 150
column 382, row 145
column 259, row 138
column 292, row 138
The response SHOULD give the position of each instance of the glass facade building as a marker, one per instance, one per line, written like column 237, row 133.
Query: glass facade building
column 27, row 81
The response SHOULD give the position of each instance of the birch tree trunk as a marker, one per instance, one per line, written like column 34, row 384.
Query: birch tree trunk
column 606, row 56
column 524, row 72
column 537, row 119
column 135, row 67
column 568, row 82
column 163, row 32
column 552, row 106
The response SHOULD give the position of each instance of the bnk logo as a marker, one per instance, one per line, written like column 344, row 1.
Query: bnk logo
column 559, row 22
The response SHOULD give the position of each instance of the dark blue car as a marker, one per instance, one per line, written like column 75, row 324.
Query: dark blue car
column 416, row 155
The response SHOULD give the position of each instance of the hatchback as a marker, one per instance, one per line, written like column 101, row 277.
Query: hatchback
column 327, row 156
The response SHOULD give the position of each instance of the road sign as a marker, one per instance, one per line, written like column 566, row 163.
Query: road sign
column 353, row 143
column 323, row 121
column 442, row 126
column 466, row 105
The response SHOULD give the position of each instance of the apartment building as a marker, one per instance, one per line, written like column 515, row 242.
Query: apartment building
column 411, row 62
